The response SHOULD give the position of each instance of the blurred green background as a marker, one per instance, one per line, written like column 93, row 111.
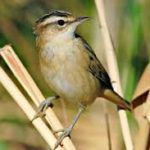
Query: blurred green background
column 128, row 21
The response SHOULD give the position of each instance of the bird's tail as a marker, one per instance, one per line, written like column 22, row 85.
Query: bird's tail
column 117, row 99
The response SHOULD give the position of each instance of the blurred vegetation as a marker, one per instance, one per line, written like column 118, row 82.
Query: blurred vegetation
column 133, row 49
column 17, row 19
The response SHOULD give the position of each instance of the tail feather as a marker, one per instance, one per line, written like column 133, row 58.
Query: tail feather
column 117, row 99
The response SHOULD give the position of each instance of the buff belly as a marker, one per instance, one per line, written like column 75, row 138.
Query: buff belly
column 71, row 82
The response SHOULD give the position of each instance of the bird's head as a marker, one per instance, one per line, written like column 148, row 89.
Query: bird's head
column 58, row 24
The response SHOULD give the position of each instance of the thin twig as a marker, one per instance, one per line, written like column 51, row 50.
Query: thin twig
column 108, row 130
column 113, row 71
column 27, row 108
column 31, row 88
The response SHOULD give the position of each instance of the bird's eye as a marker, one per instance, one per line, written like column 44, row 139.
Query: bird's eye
column 61, row 22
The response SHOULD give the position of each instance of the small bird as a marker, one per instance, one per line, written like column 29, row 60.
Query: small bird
column 70, row 66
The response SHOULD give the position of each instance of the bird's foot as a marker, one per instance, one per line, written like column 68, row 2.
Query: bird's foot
column 48, row 102
column 65, row 133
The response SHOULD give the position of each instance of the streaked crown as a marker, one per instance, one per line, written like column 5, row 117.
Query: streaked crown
column 55, row 14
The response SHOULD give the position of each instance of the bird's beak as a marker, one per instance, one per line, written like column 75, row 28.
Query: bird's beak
column 81, row 19
column 77, row 21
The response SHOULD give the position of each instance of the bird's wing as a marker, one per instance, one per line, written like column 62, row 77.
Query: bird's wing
column 95, row 66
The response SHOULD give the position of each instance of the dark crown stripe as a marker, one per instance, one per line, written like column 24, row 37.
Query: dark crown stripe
column 53, row 13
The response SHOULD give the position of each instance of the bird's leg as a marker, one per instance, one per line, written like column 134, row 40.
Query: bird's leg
column 67, row 131
column 48, row 102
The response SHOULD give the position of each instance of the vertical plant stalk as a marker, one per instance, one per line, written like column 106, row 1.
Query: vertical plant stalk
column 27, row 108
column 31, row 88
column 108, row 130
column 113, row 71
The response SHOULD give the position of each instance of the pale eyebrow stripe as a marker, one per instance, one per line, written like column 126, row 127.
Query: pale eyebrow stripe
column 53, row 19
column 46, row 25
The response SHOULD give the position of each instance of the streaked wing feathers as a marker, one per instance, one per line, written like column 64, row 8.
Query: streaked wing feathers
column 95, row 66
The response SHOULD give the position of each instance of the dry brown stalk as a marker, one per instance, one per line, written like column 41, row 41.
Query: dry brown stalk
column 31, row 88
column 27, row 108
column 113, row 71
